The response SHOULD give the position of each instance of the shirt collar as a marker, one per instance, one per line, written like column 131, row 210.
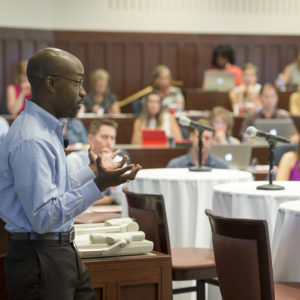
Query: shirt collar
column 43, row 116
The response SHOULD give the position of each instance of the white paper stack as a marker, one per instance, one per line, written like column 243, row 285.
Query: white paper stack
column 115, row 237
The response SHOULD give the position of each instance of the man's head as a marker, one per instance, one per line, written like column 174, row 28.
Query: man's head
column 207, row 138
column 102, row 134
column 268, row 97
column 56, row 78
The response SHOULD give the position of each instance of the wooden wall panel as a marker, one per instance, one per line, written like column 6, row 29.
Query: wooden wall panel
column 15, row 45
column 131, row 57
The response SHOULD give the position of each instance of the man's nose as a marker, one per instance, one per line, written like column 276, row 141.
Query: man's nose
column 82, row 91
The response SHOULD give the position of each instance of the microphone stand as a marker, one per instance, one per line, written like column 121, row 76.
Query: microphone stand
column 270, row 186
column 200, row 168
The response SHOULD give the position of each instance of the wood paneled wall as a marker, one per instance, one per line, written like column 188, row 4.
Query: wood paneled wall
column 130, row 57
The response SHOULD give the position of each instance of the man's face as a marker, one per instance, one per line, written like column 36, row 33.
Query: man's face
column 104, row 139
column 207, row 140
column 69, row 90
column 269, row 98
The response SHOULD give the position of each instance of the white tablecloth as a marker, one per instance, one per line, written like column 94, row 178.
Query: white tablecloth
column 243, row 200
column 187, row 195
column 286, row 243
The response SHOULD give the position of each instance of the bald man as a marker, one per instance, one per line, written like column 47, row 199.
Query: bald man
column 38, row 199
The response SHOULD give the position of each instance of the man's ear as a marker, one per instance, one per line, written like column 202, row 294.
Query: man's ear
column 50, row 84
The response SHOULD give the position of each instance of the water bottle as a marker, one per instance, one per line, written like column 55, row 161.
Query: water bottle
column 281, row 83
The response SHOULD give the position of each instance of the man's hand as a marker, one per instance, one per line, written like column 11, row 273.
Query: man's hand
column 112, row 177
column 107, row 159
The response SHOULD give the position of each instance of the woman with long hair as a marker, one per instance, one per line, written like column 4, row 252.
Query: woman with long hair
column 153, row 116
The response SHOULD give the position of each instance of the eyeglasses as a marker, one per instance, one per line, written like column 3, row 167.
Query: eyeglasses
column 79, row 82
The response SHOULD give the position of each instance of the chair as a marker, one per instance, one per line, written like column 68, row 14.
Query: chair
column 187, row 263
column 243, row 260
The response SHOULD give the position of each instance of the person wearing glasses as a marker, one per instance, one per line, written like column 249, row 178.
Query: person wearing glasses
column 20, row 90
column 222, row 121
column 100, row 100
column 39, row 198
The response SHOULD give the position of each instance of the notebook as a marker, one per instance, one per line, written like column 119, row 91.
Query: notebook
column 282, row 127
column 236, row 156
column 218, row 81
column 155, row 137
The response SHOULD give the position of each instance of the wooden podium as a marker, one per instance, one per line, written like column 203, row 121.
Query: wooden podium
column 146, row 277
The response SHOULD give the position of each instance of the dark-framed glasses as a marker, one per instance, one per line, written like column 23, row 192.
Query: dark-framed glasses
column 78, row 82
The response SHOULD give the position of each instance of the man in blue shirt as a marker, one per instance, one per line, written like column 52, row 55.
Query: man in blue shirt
column 38, row 199
column 191, row 158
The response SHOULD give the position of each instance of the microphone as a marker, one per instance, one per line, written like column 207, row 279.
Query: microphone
column 251, row 131
column 184, row 121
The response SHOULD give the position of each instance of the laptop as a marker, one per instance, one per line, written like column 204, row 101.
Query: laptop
column 218, row 81
column 154, row 137
column 282, row 127
column 236, row 156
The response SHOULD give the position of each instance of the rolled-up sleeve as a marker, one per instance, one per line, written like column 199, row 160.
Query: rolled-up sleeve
column 38, row 187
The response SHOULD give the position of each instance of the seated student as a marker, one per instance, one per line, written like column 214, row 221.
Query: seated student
column 172, row 97
column 289, row 166
column 222, row 121
column 269, row 110
column 102, row 135
column 154, row 116
column 4, row 126
column 223, row 59
column 245, row 96
column 19, row 91
column 290, row 76
column 100, row 100
column 190, row 159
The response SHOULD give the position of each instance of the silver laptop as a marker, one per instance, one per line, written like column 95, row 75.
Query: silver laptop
column 282, row 127
column 236, row 156
column 218, row 81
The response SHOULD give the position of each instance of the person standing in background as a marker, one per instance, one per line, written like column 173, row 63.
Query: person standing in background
column 100, row 100
column 19, row 91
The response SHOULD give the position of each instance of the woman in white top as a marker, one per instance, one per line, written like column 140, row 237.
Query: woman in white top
column 245, row 97
column 154, row 117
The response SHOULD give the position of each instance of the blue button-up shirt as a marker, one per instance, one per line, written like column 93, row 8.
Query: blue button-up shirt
column 36, row 192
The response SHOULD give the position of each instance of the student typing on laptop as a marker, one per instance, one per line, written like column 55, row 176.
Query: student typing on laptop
column 269, row 110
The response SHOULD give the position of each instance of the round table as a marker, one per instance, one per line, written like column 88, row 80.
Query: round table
column 243, row 200
column 187, row 195
column 286, row 243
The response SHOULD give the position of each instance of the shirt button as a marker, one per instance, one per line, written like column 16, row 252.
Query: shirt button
column 52, row 131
